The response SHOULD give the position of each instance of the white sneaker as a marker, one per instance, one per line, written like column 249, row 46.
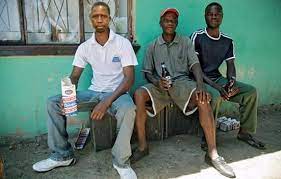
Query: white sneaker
column 126, row 173
column 49, row 164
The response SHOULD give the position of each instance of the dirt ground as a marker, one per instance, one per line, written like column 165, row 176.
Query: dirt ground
column 176, row 157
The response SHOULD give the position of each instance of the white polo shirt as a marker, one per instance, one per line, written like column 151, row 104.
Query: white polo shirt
column 106, row 61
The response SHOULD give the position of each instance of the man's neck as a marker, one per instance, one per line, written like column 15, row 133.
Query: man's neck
column 102, row 37
column 168, row 38
column 213, row 32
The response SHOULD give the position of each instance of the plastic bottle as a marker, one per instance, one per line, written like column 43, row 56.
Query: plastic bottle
column 68, row 92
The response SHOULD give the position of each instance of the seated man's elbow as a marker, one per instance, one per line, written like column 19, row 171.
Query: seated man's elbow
column 128, row 83
column 131, row 83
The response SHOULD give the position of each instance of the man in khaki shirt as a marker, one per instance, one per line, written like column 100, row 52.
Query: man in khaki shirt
column 178, row 55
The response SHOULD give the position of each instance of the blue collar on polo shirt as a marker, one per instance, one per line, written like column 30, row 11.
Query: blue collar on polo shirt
column 161, row 41
column 111, row 37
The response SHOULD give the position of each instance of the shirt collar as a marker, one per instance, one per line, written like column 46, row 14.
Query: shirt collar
column 111, row 37
column 214, row 38
column 161, row 41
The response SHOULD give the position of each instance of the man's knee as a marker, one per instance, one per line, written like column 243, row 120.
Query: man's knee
column 141, row 95
column 204, row 106
column 127, row 110
column 252, row 91
column 216, row 100
column 126, row 115
column 53, row 103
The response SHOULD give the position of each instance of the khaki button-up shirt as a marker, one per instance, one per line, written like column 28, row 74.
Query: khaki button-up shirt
column 179, row 56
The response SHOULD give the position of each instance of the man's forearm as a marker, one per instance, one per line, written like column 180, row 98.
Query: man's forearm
column 123, row 88
column 125, row 85
column 197, row 72
column 231, row 71
column 74, row 80
column 209, row 81
column 75, row 75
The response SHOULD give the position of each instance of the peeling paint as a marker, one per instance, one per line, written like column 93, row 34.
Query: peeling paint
column 50, row 79
column 240, row 71
column 252, row 73
column 19, row 132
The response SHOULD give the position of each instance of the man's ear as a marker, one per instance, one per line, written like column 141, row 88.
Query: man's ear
column 91, row 23
column 160, row 22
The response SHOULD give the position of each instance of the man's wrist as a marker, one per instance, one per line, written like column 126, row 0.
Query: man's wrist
column 217, row 86
column 232, row 78
column 108, row 101
column 200, row 85
column 156, row 83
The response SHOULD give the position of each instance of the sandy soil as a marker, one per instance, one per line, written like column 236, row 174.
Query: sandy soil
column 176, row 157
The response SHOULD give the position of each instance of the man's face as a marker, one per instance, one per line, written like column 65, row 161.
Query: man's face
column 100, row 18
column 169, row 23
column 213, row 17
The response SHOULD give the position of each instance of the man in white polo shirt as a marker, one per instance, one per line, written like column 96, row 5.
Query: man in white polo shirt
column 112, row 59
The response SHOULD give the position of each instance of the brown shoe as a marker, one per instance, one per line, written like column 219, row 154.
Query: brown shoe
column 249, row 139
column 204, row 145
column 137, row 154
column 220, row 165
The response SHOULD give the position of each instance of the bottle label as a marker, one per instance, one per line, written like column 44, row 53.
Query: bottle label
column 169, row 79
column 69, row 97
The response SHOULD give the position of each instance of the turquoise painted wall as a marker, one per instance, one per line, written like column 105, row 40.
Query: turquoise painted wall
column 254, row 25
column 26, row 82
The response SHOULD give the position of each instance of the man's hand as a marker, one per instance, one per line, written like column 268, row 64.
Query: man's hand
column 229, row 85
column 231, row 89
column 202, row 96
column 164, row 84
column 234, row 91
column 228, row 90
column 62, row 107
column 100, row 109
column 223, row 92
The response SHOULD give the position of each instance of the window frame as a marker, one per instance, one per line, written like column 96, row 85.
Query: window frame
column 20, row 47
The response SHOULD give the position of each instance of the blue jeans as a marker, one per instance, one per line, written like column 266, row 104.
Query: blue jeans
column 123, row 108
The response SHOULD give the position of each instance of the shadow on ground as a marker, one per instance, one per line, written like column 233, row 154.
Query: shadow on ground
column 179, row 156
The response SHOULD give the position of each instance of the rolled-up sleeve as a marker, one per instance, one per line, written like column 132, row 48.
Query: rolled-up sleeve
column 148, row 65
column 191, row 54
column 128, row 56
column 230, row 52
column 80, row 59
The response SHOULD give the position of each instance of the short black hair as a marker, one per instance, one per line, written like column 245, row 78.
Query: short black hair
column 213, row 4
column 100, row 3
